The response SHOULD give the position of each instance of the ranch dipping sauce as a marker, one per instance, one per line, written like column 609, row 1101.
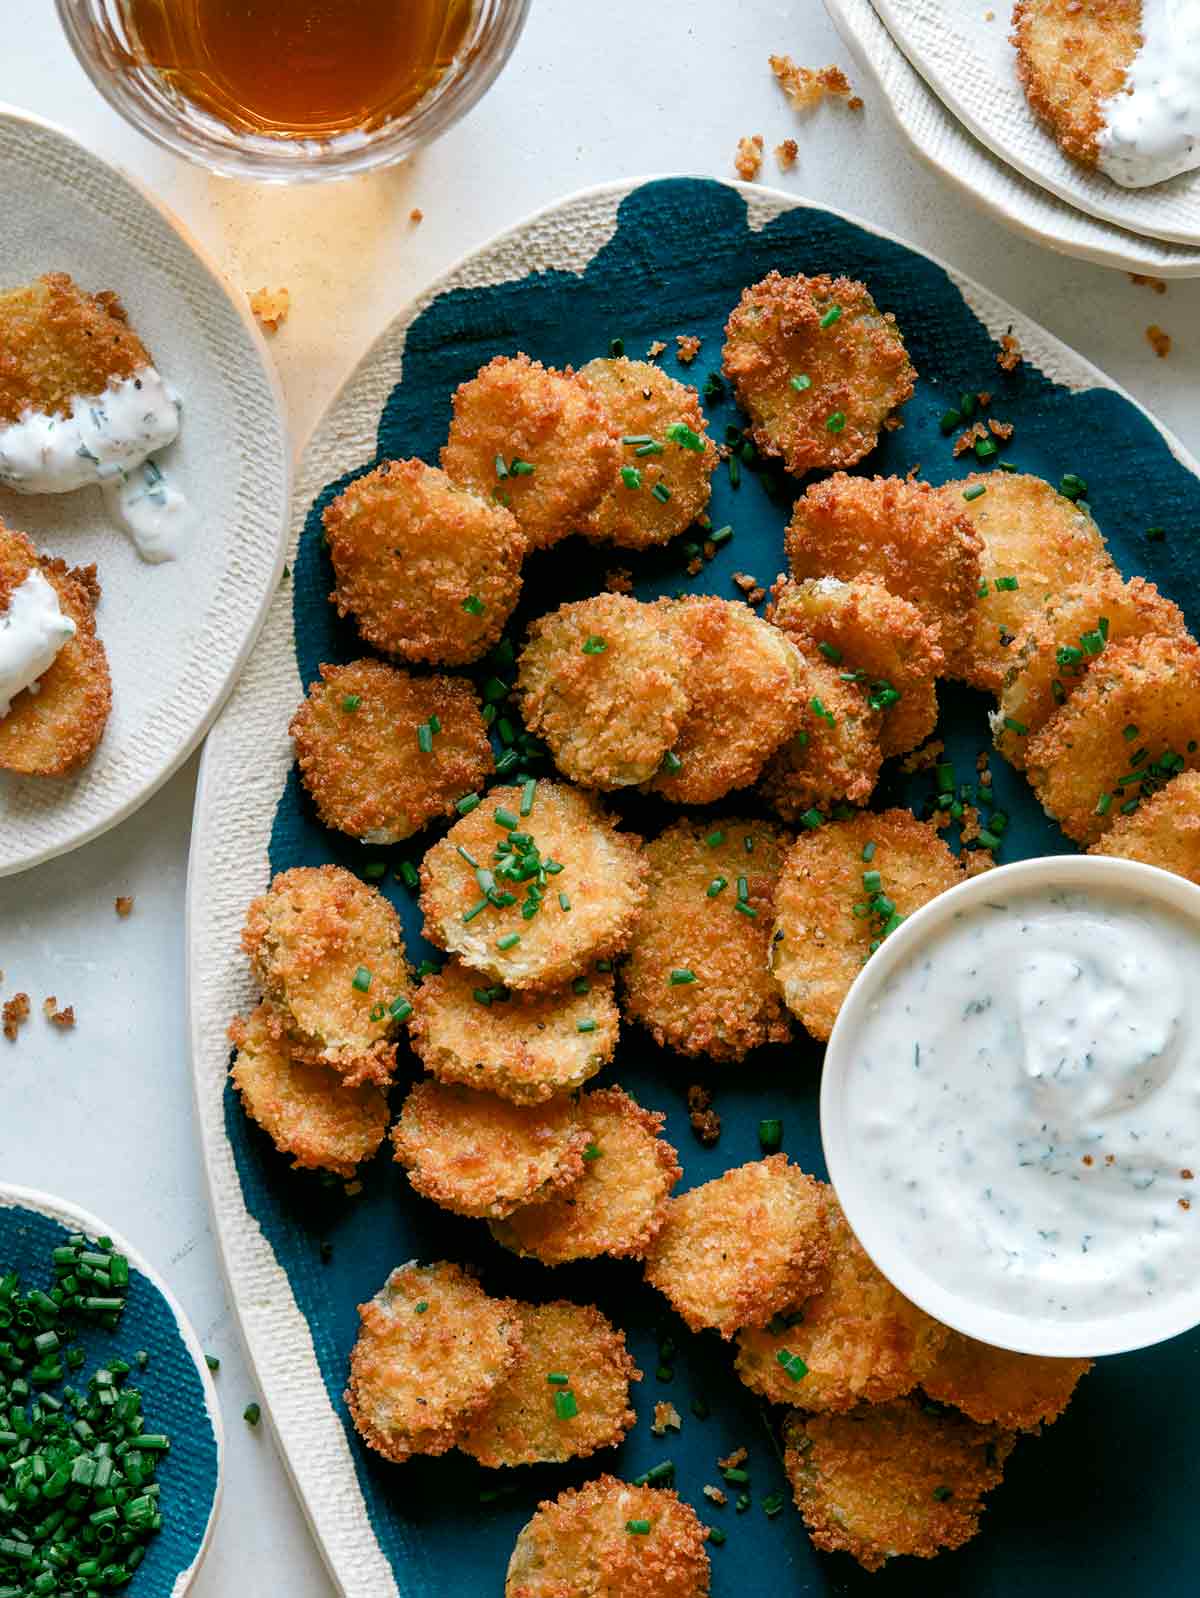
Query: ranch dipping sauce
column 1152, row 124
column 1023, row 1102
column 32, row 631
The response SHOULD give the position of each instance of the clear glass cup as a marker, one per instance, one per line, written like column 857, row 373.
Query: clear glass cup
column 148, row 102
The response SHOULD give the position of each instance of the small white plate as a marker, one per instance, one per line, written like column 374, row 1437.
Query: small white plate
column 971, row 65
column 176, row 634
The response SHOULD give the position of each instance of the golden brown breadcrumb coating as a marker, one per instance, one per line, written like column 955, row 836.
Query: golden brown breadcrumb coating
column 358, row 743
column 719, row 935
column 522, row 1424
column 516, row 409
column 604, row 682
column 905, row 535
column 836, row 754
column 428, row 569
column 1072, row 55
column 619, row 1205
column 57, row 342
column 432, row 1348
column 1022, row 1392
column 527, row 1047
column 735, row 1251
column 480, row 1155
column 306, row 1110
column 587, row 910
column 890, row 1479
column 746, row 683
column 644, row 404
column 579, row 1546
column 1164, row 831
column 328, row 952
column 1151, row 685
column 819, row 945
column 829, row 331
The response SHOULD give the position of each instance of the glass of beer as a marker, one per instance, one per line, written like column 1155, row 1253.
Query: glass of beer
column 292, row 89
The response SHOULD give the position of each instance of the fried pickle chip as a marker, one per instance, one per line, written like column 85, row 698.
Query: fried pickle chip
column 816, row 367
column 1071, row 58
column 856, row 1339
column 55, row 730
column 836, row 754
column 532, row 1419
column 526, row 1047
column 1164, row 831
column 1054, row 653
column 656, row 494
column 480, row 1155
column 698, row 972
column 371, row 770
column 428, row 569
column 432, row 1348
column 746, row 682
column 905, row 535
column 889, row 1479
column 328, row 952
column 1035, row 541
column 871, row 635
column 735, row 1251
column 306, row 1110
column 483, row 898
column 1021, row 1392
column 820, row 943
column 581, row 1545
column 536, row 440
column 1132, row 724
column 57, row 342
column 619, row 1205
column 604, row 682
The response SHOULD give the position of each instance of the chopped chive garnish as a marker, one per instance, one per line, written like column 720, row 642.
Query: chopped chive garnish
column 950, row 420
column 1102, row 804
column 835, row 422
column 638, row 1528
column 716, row 886
column 661, row 493
column 966, row 404
column 1129, row 733
column 351, row 701
column 212, row 1361
column 770, row 1135
column 528, row 789
column 565, row 1407
column 1016, row 726
column 746, row 910
column 501, row 468
column 831, row 652
column 425, row 739
column 252, row 1414
column 586, row 1025
column 801, row 381
column 671, row 763
column 508, row 941
column 631, row 477
column 520, row 468
column 681, row 977
column 468, row 802
column 594, row 645
column 374, row 870
column 942, row 1493
column 868, row 852
column 564, row 902
column 812, row 819
column 400, row 1009
column 680, row 433
column 716, row 1536
column 720, row 536
column 872, row 881
column 592, row 1152
column 420, row 1307
column 831, row 316
column 473, row 605
column 735, row 471
column 1155, row 535
column 975, row 490
column 772, row 1504
column 1071, row 486
column 985, row 448
column 983, row 589
column 649, row 449
column 792, row 1364
column 361, row 979
column 476, row 909
column 736, row 1475
column 505, row 818
column 1007, row 585
column 715, row 839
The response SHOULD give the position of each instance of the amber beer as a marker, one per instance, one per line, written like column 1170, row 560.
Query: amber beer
column 298, row 69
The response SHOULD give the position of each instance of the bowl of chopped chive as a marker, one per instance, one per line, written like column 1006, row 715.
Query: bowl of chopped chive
column 110, row 1431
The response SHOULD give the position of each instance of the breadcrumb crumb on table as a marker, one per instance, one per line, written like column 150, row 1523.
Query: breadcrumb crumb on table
column 14, row 1014
column 1008, row 357
column 123, row 904
column 786, row 154
column 747, row 161
column 64, row 1018
column 705, row 1121
column 806, row 87
column 416, row 215
column 666, row 1416
column 1160, row 342
column 689, row 347
column 1158, row 284
column 715, row 1495
column 654, row 350
column 271, row 307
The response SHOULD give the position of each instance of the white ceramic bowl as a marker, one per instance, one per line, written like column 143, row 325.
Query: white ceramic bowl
column 909, row 1272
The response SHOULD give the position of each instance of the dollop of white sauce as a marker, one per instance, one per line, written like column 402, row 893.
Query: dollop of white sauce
column 1025, row 1102
column 150, row 509
column 1152, row 124
column 32, row 631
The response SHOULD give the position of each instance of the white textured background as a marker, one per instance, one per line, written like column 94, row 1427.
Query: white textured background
column 104, row 1115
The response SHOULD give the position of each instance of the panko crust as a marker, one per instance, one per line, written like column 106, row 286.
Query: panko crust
column 1083, row 751
column 520, row 1424
column 578, row 1546
column 483, row 1156
column 875, row 633
column 1164, row 831
column 610, row 713
column 603, row 879
column 819, row 946
column 526, row 1047
column 746, row 681
column 1071, row 58
column 1030, row 532
column 860, row 1339
column 890, row 1479
column 619, row 1205
column 414, row 557
column 905, row 535
column 57, row 341
column 737, row 1250
column 1021, row 1392
column 53, row 732
column 857, row 366
column 642, row 401
column 306, row 1110
column 836, row 754
column 1038, row 681
column 362, row 762
column 307, row 938
column 417, row 1377
column 733, row 1005
column 519, row 409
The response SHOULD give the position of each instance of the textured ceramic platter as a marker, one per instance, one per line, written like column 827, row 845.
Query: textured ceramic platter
column 942, row 141
column 644, row 262
column 970, row 64
column 176, row 634
column 176, row 1385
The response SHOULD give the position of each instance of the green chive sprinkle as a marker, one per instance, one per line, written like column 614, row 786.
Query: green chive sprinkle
column 716, row 1536
column 722, row 535
column 975, row 490
column 801, row 381
column 476, row 909
column 746, row 910
column 835, row 422
column 770, row 1135
column 508, row 941
column 505, row 818
column 831, row 652
column 735, row 471
column 1007, row 585
column 680, row 433
column 565, row 1407
column 361, row 981
column 1016, row 726
column 792, row 1364
column 408, row 874
column 1155, row 535
column 1102, row 804
column 587, row 1025
column 950, row 420
column 468, row 802
column 716, row 886
column 213, row 1363
column 252, row 1414
column 832, row 315
column 638, row 1528
column 528, row 789
column 501, row 468
column 942, row 1493
column 681, row 977
column 473, row 605
column 671, row 763
column 592, row 1152
column 351, row 701
column 564, row 902
column 374, row 870
column 424, row 739
column 649, row 449
column 715, row 839
column 631, row 477
column 1129, row 733
column 400, row 1009
column 983, row 590
column 594, row 645
column 661, row 493
column 985, row 448
column 520, row 468
column 812, row 819
column 1071, row 486
column 772, row 1504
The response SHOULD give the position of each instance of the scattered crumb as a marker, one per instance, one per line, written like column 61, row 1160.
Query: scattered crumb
column 689, row 347
column 353, row 1189
column 747, row 161
column 1186, row 1175
column 1155, row 283
column 655, row 350
column 1008, row 358
column 1160, row 342
column 1000, row 430
column 968, row 440
column 715, row 1495
column 982, row 761
column 745, row 581
column 60, row 1018
column 416, row 214
column 271, row 307
column 619, row 580
column 913, row 473
column 706, row 1123
column 1185, row 1204
column 806, row 88
column 989, row 16
column 732, row 1461
column 694, row 566
column 921, row 759
column 123, row 904
column 14, row 1015
column 984, row 398
column 786, row 154
column 893, row 424
column 665, row 1415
